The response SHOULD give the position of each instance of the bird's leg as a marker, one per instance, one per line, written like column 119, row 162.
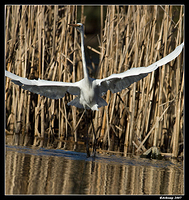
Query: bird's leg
column 87, row 140
column 94, row 137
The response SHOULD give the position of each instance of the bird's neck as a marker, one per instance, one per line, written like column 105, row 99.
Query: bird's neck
column 86, row 76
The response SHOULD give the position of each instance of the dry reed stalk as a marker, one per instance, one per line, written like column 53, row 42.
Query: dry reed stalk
column 109, row 32
column 101, row 22
column 42, row 71
column 158, row 128
column 178, row 102
column 19, row 70
column 74, row 78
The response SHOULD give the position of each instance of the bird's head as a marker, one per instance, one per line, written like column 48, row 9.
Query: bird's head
column 78, row 26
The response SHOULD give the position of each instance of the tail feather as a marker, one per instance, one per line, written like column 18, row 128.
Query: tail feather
column 75, row 102
column 101, row 102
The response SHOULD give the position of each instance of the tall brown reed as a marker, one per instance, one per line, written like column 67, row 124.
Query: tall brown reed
column 39, row 44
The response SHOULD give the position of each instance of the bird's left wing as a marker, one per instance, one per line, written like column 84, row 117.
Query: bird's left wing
column 117, row 82
column 50, row 89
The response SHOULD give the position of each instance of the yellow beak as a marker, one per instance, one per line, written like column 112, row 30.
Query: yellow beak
column 75, row 25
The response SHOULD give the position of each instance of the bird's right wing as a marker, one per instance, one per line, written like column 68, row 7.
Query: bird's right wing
column 117, row 82
column 50, row 89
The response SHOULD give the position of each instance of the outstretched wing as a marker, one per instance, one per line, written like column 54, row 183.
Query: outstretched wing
column 117, row 82
column 50, row 89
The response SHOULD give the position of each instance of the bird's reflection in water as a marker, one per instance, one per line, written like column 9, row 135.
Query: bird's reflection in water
column 44, row 170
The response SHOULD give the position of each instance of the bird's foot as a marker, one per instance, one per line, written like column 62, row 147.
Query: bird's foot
column 94, row 152
column 88, row 152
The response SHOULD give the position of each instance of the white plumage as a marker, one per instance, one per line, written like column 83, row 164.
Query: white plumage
column 90, row 90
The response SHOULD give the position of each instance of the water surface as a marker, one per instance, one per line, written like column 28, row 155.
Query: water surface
column 39, row 170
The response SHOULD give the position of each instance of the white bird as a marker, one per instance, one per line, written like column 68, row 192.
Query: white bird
column 89, row 90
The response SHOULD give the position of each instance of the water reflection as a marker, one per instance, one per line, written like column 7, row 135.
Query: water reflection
column 35, row 170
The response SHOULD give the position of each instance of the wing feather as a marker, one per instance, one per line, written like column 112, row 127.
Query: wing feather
column 50, row 89
column 117, row 82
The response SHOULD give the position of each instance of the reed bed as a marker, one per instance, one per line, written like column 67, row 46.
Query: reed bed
column 40, row 44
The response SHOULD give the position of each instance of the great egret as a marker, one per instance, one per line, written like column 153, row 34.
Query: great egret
column 89, row 90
